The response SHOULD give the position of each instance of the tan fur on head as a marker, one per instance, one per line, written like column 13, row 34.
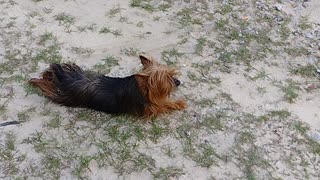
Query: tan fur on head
column 156, row 82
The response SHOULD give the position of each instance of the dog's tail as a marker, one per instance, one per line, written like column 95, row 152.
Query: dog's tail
column 57, row 79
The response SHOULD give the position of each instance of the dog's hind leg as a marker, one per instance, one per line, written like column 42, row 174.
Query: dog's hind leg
column 45, row 86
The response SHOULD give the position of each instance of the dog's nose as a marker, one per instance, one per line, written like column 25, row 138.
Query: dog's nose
column 177, row 82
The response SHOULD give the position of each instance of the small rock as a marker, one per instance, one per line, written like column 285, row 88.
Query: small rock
column 187, row 133
column 278, row 7
column 296, row 33
column 311, row 87
column 309, row 35
column 294, row 5
column 278, row 18
column 315, row 136
column 305, row 5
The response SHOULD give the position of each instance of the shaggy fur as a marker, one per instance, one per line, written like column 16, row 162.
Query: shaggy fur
column 143, row 94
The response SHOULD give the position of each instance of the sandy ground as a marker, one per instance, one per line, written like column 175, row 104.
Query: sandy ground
column 248, row 71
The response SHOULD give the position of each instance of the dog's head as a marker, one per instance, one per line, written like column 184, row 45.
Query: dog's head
column 159, row 80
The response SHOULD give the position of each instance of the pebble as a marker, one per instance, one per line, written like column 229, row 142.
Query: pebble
column 187, row 133
column 296, row 33
column 278, row 7
column 315, row 136
column 294, row 5
column 309, row 35
column 311, row 87
column 278, row 18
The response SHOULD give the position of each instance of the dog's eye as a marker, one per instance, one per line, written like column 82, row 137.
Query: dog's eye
column 176, row 82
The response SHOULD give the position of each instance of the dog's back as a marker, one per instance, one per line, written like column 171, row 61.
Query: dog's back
column 69, row 85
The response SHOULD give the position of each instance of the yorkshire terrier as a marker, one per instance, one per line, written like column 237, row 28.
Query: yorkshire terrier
column 145, row 94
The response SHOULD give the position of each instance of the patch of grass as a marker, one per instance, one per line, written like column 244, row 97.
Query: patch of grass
column 29, row 89
column 55, row 121
column 114, row 11
column 221, row 24
column 225, row 9
column 65, row 20
column 201, row 42
column 243, row 54
column 49, row 51
column 171, row 56
column 10, row 157
column 106, row 30
column 203, row 154
column 296, row 51
column 23, row 116
column 140, row 24
column 301, row 127
column 3, row 109
column 186, row 17
column 164, row 7
column 157, row 131
column 168, row 151
column 213, row 122
column 143, row 161
column 284, row 31
column 156, row 18
column 306, row 71
column 131, row 51
column 53, row 165
column 290, row 91
column 246, row 137
column 144, row 4
column 206, row 102
column 38, row 141
column 90, row 27
column 262, row 74
column 106, row 65
column 82, row 167
column 250, row 160
column 304, row 24
column 262, row 90
column 82, row 51
column 46, row 37
column 226, row 57
column 167, row 173
column 282, row 114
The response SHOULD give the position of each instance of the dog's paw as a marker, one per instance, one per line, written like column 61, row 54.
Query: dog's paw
column 181, row 104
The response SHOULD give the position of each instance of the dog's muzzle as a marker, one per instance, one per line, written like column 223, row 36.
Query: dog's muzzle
column 176, row 82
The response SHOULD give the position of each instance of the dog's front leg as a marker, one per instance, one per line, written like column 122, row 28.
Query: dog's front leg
column 176, row 105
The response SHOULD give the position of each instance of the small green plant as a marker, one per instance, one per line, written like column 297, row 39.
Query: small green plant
column 115, row 10
column 82, row 51
column 221, row 23
column 171, row 56
column 290, row 91
column 306, row 71
column 201, row 42
column 106, row 30
column 168, row 173
column 107, row 64
column 304, row 24
column 186, row 17
column 65, row 20
column 131, row 51
column 144, row 4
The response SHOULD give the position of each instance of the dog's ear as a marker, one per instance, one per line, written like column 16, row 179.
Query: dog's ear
column 145, row 61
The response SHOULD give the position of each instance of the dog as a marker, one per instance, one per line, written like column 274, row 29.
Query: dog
column 145, row 94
